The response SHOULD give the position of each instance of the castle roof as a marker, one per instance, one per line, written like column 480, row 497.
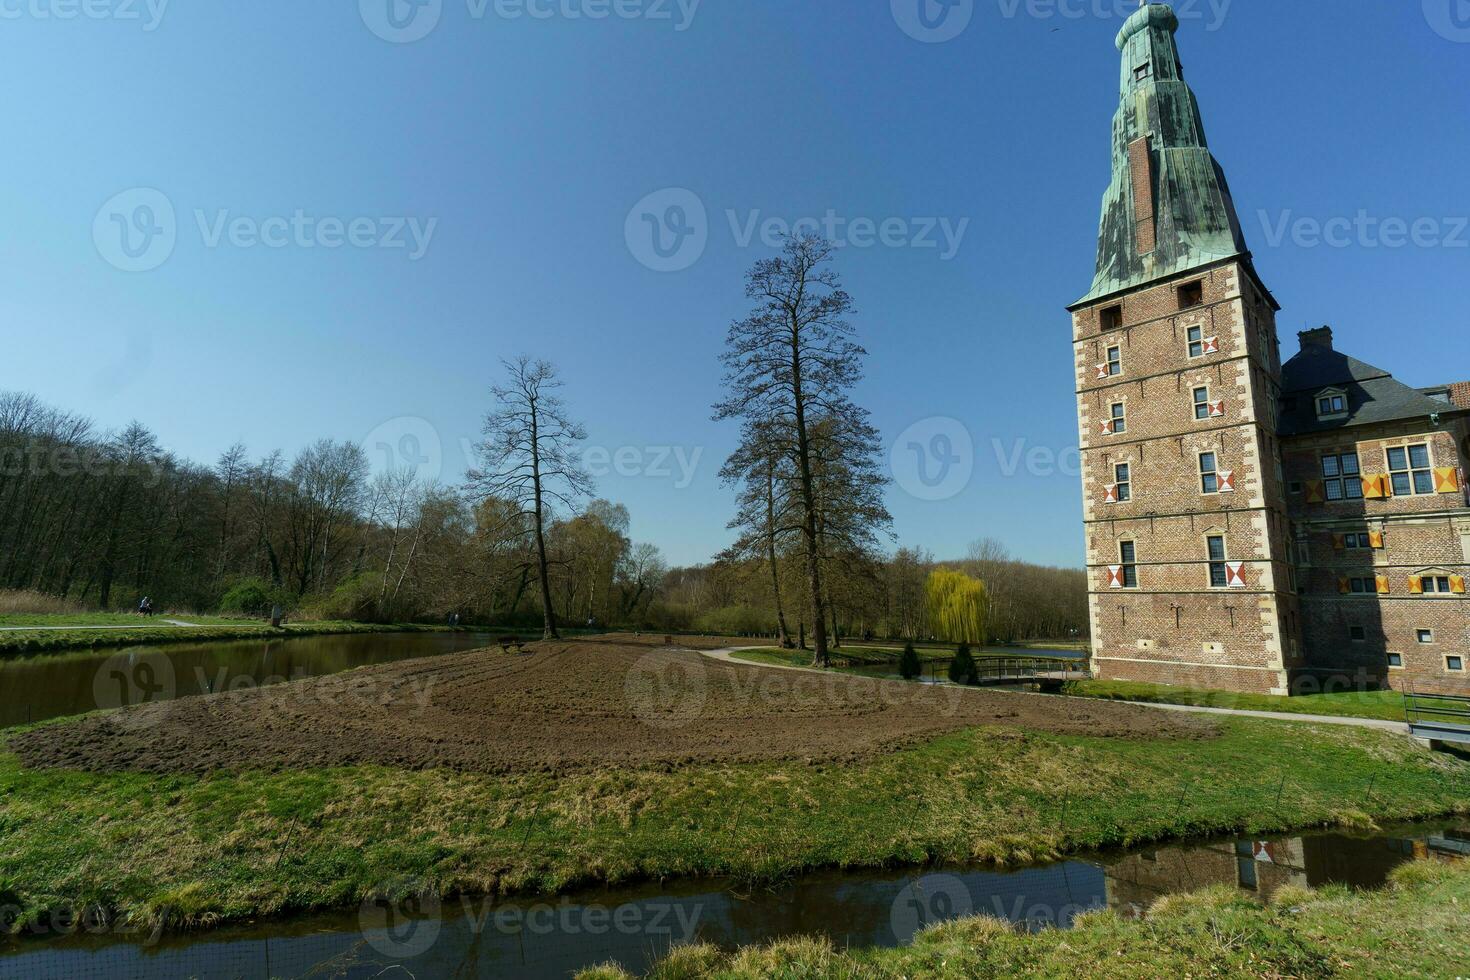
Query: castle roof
column 1372, row 394
column 1167, row 210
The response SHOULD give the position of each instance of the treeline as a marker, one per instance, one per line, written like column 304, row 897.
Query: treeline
column 105, row 518
column 884, row 597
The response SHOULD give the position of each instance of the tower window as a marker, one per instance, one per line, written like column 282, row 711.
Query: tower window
column 1120, row 418
column 1209, row 476
column 1142, row 71
column 1396, row 660
column 1202, row 403
column 1218, row 577
column 1456, row 664
column 1191, row 295
column 1115, row 361
column 1196, row 341
column 1124, row 477
column 1128, row 554
column 1357, row 634
column 1425, row 636
column 1110, row 318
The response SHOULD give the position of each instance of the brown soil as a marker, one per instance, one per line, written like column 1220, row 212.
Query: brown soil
column 618, row 701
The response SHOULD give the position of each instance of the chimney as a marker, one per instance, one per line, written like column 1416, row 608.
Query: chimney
column 1321, row 337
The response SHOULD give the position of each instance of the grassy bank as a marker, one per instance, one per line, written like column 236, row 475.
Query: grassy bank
column 202, row 850
column 1385, row 705
column 18, row 643
column 1413, row 928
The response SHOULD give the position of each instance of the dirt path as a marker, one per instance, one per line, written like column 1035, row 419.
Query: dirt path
column 728, row 656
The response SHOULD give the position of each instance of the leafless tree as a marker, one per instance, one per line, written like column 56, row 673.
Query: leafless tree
column 528, row 458
column 789, row 369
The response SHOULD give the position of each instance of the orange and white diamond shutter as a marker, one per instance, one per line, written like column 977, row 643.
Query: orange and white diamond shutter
column 1212, row 345
column 1110, row 493
column 1102, row 372
column 1105, row 427
column 1115, row 576
column 1217, row 410
column 1227, row 481
column 1235, row 575
column 1447, row 480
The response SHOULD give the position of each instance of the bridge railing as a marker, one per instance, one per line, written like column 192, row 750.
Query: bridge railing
column 1444, row 716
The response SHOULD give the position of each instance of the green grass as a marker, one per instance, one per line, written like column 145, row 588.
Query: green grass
column 1384, row 705
column 15, row 643
column 1412, row 928
column 64, row 620
column 202, row 850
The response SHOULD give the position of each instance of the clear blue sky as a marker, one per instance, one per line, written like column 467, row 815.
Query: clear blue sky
column 531, row 140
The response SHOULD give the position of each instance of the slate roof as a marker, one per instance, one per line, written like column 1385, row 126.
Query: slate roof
column 1373, row 394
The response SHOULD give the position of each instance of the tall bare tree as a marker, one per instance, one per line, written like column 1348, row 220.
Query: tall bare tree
column 528, row 458
column 789, row 369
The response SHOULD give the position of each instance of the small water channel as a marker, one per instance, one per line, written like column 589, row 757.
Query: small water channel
column 553, row 938
column 38, row 688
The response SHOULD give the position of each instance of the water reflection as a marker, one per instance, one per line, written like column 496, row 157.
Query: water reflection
column 555, row 937
column 36, row 689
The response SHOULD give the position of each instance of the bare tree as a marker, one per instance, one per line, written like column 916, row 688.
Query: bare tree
column 789, row 368
column 528, row 458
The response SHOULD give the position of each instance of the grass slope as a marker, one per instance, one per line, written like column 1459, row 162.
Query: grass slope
column 202, row 850
column 1385, row 705
column 1413, row 928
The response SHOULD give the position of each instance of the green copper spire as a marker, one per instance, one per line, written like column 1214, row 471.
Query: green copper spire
column 1168, row 209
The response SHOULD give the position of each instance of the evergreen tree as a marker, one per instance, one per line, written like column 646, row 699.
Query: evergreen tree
column 962, row 669
column 908, row 664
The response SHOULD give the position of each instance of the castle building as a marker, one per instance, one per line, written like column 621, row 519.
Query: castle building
column 1251, row 525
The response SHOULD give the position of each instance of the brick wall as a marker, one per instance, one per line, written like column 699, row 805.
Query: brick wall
column 1176, row 627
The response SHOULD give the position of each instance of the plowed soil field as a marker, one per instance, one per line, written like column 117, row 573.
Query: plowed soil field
column 562, row 706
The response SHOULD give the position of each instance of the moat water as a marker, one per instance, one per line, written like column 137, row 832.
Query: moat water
column 555, row 937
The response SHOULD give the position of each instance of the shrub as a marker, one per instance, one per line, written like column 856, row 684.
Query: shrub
column 908, row 664
column 249, row 597
column 962, row 669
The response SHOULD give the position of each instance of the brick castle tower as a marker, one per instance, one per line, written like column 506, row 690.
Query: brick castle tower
column 1178, row 375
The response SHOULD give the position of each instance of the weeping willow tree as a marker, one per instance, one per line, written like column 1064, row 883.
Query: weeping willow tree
column 957, row 606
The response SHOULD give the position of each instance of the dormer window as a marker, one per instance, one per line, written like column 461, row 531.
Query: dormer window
column 1332, row 404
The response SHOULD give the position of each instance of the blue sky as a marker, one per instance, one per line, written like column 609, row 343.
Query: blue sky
column 520, row 147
